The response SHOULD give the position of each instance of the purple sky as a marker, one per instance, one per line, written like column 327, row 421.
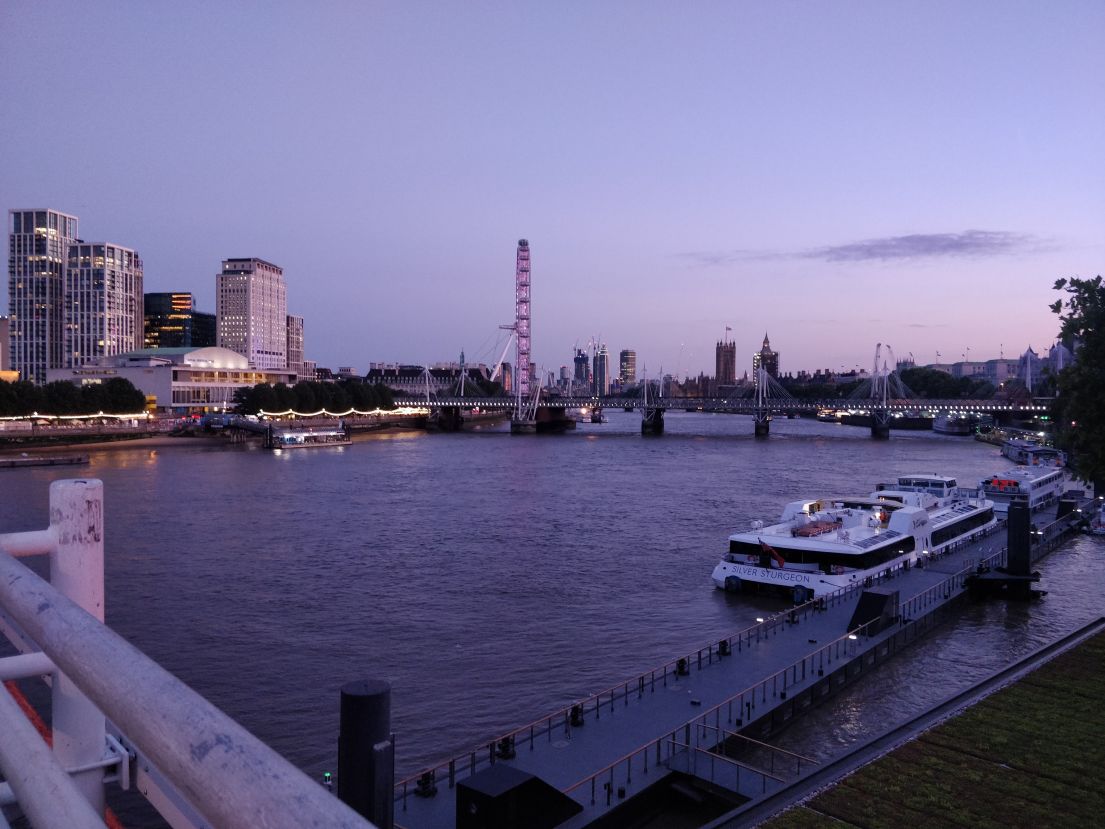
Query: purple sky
column 838, row 174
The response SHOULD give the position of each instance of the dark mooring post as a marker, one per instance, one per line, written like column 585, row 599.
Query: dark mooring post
column 1019, row 539
column 366, row 751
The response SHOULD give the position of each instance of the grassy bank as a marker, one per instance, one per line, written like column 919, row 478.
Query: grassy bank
column 1033, row 754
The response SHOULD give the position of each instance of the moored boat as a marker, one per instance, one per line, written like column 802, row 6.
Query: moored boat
column 954, row 424
column 1030, row 453
column 822, row 545
column 1037, row 486
column 306, row 438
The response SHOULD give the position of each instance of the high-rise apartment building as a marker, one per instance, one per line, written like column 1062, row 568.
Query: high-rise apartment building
column 725, row 363
column 251, row 307
column 103, row 302
column 38, row 252
column 767, row 358
column 601, row 384
column 171, row 321
column 5, row 344
column 295, row 345
column 627, row 367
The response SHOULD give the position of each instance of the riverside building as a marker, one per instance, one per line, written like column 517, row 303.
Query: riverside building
column 38, row 252
column 103, row 302
column 171, row 321
column 177, row 380
column 251, row 310
column 725, row 363
column 294, row 330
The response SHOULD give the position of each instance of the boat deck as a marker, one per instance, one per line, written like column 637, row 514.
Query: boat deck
column 632, row 735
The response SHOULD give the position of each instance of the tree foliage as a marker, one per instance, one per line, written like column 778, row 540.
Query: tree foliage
column 310, row 396
column 115, row 396
column 1079, row 408
column 932, row 384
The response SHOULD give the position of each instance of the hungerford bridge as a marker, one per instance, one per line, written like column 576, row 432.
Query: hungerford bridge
column 882, row 397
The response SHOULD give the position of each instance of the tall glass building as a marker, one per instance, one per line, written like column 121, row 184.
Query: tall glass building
column 601, row 384
column 38, row 253
column 171, row 321
column 627, row 367
column 251, row 310
column 104, row 312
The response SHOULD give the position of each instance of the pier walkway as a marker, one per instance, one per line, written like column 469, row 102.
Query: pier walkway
column 681, row 715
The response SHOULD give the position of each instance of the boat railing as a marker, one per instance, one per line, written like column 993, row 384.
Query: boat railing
column 119, row 716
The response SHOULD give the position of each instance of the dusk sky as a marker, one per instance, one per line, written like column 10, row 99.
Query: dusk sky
column 837, row 174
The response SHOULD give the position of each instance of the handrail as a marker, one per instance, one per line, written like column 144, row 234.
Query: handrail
column 40, row 784
column 227, row 774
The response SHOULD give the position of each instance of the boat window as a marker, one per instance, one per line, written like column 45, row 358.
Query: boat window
column 961, row 527
column 752, row 552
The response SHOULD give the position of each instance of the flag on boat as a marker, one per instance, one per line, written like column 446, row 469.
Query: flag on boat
column 771, row 551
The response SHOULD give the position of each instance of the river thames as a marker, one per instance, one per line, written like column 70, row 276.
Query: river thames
column 494, row 578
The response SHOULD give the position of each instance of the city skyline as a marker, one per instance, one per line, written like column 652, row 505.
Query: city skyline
column 888, row 173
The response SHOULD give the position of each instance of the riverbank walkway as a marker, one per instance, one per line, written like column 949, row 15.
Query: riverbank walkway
column 1031, row 754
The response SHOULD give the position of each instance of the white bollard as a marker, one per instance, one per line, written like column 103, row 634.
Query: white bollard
column 77, row 571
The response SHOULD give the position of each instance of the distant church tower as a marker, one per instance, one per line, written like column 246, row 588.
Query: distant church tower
column 767, row 358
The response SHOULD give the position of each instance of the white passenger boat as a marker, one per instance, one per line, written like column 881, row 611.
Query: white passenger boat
column 1037, row 485
column 307, row 438
column 820, row 546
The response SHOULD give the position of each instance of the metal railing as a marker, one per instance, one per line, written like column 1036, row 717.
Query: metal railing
column 192, row 761
column 741, row 706
column 561, row 721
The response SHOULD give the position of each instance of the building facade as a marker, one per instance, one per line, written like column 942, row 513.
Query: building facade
column 251, row 310
column 38, row 253
column 104, row 310
column 767, row 358
column 627, row 367
column 171, row 321
column 725, row 363
column 601, row 384
column 295, row 345
column 178, row 380
column 5, row 344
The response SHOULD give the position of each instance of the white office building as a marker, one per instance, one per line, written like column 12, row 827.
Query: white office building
column 251, row 310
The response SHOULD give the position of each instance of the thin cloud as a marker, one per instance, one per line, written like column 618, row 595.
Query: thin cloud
column 969, row 243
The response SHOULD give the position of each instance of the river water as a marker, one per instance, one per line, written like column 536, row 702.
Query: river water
column 493, row 578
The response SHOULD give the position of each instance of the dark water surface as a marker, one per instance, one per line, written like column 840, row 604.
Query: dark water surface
column 494, row 578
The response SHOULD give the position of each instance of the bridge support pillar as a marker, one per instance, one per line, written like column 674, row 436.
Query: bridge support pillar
column 880, row 424
column 652, row 422
column 762, row 423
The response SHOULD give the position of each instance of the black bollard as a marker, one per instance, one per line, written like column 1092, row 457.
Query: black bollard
column 1019, row 539
column 366, row 751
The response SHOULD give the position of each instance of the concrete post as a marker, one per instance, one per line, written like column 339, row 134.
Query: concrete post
column 77, row 571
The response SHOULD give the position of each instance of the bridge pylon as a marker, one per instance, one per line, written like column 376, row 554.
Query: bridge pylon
column 761, row 413
column 652, row 416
